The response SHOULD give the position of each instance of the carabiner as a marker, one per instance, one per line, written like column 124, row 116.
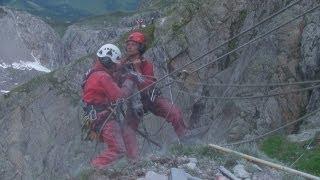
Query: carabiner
column 93, row 114
column 153, row 96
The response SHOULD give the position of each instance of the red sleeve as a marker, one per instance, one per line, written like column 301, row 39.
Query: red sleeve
column 113, row 91
column 147, row 70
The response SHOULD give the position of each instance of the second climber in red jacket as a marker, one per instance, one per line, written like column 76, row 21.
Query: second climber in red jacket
column 100, row 92
column 160, row 106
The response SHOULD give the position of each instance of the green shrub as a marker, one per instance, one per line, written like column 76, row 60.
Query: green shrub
column 280, row 148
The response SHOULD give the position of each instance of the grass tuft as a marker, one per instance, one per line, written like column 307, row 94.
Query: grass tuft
column 280, row 148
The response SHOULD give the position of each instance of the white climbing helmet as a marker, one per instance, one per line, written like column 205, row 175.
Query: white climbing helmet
column 111, row 51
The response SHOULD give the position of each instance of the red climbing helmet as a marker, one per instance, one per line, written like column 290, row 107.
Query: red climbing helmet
column 137, row 37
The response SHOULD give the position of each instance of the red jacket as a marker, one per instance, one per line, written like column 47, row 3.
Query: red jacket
column 100, row 87
column 145, row 67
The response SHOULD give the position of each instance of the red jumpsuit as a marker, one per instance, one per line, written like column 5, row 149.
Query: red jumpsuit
column 160, row 106
column 100, row 89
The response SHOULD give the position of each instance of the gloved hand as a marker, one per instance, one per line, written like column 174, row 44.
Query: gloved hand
column 153, row 93
column 134, row 76
column 93, row 136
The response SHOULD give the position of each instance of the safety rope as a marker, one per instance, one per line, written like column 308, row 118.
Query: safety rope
column 273, row 131
column 164, row 122
column 259, row 37
column 172, row 101
column 249, row 85
column 254, row 85
column 251, row 97
column 256, row 25
column 264, row 20
column 232, row 51
column 255, row 39
column 308, row 146
column 107, row 120
column 212, row 50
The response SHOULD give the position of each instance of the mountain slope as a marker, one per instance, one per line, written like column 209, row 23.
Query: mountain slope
column 70, row 10
column 40, row 119
column 28, row 47
column 86, row 36
column 42, row 131
column 192, row 30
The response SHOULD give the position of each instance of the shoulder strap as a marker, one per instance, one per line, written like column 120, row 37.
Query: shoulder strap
column 88, row 74
column 144, row 61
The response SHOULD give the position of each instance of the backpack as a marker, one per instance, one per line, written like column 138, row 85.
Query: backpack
column 88, row 114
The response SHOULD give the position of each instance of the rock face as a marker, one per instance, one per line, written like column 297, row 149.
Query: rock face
column 310, row 51
column 30, row 46
column 86, row 37
column 27, row 46
column 27, row 38
column 80, row 41
column 309, row 65
column 40, row 126
column 190, row 32
column 39, row 120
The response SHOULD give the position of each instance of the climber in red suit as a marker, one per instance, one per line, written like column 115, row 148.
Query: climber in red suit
column 100, row 90
column 160, row 106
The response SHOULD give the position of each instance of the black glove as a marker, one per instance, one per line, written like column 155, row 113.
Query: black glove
column 153, row 93
column 135, row 77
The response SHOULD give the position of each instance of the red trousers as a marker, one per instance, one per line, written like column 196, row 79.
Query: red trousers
column 170, row 112
column 160, row 107
column 164, row 108
column 123, row 141
column 119, row 142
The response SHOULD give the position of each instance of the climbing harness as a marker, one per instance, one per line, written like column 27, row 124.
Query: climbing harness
column 91, row 122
